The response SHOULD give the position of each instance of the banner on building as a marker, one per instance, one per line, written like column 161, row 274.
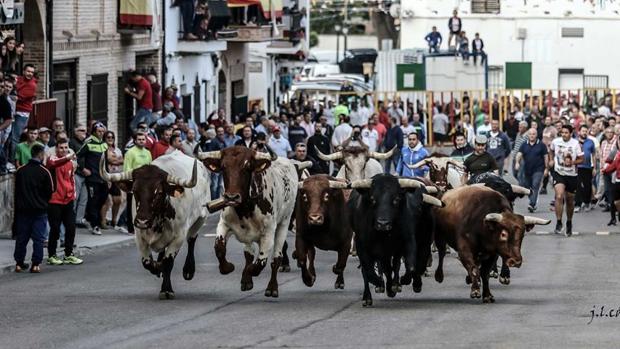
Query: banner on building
column 266, row 6
column 410, row 77
column 136, row 13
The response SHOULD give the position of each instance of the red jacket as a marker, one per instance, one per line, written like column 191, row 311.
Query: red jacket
column 63, row 174
column 26, row 93
column 159, row 149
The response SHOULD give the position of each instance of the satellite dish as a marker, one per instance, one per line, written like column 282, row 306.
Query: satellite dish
column 395, row 10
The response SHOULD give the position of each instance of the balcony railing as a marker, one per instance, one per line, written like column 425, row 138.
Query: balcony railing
column 255, row 33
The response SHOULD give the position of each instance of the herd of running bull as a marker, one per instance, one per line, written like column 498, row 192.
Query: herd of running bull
column 389, row 220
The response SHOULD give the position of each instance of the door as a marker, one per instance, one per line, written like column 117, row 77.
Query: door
column 64, row 90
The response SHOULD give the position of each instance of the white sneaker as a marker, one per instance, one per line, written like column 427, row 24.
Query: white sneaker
column 96, row 231
column 120, row 229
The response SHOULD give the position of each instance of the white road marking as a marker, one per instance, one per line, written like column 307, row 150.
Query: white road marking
column 602, row 233
column 209, row 235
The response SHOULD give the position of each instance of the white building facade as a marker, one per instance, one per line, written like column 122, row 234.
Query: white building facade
column 571, row 44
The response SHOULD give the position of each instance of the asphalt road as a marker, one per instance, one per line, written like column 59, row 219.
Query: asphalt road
column 111, row 302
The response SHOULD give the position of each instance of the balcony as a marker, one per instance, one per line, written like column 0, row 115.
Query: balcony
column 255, row 33
column 200, row 46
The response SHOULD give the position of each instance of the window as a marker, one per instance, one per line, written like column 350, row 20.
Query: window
column 485, row 6
column 97, row 91
column 572, row 32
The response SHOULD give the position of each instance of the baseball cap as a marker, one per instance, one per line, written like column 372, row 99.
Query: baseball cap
column 481, row 139
column 44, row 129
column 276, row 129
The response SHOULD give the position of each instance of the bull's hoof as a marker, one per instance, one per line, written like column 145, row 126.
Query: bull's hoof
column 433, row 248
column 163, row 295
column 294, row 254
column 339, row 285
column 468, row 280
column 417, row 287
column 188, row 275
column 504, row 280
column 226, row 268
column 493, row 274
column 427, row 273
column 439, row 276
column 271, row 293
column 247, row 285
column 396, row 287
column 390, row 293
column 379, row 289
column 255, row 268
column 475, row 294
column 488, row 299
column 284, row 268
column 354, row 254
column 308, row 281
column 366, row 303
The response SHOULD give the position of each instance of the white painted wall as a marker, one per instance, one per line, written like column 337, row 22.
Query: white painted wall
column 450, row 74
column 544, row 46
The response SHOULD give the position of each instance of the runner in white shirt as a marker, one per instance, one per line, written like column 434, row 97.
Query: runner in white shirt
column 370, row 136
column 565, row 153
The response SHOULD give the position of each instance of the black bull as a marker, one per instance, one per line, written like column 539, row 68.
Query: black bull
column 391, row 221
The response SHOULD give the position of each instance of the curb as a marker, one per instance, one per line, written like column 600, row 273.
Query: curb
column 575, row 233
column 82, row 251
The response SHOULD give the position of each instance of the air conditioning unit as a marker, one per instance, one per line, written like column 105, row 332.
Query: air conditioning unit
column 521, row 33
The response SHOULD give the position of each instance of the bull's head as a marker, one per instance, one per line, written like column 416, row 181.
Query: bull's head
column 438, row 170
column 385, row 195
column 152, row 187
column 238, row 165
column 508, row 230
column 315, row 195
column 355, row 159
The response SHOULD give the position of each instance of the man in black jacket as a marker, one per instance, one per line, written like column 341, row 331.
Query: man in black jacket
column 320, row 142
column 33, row 189
column 477, row 48
column 455, row 26
column 393, row 137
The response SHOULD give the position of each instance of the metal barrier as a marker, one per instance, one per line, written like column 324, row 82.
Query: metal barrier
column 496, row 103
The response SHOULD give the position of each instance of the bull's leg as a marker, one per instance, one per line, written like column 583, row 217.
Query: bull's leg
column 367, row 297
column 286, row 264
column 302, row 261
column 311, row 256
column 246, row 276
column 473, row 272
column 265, row 247
column 388, row 269
column 368, row 264
column 189, row 268
column 396, row 287
column 354, row 248
column 272, row 287
column 441, row 253
column 504, row 275
column 493, row 272
column 166, row 286
column 486, row 267
column 338, row 268
column 145, row 253
column 221, row 237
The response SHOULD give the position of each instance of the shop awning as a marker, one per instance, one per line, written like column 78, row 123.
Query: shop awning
column 265, row 5
column 136, row 13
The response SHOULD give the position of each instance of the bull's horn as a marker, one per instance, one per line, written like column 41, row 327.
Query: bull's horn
column 186, row 183
column 331, row 157
column 517, row 189
column 209, row 155
column 361, row 184
column 338, row 185
column 302, row 165
column 431, row 189
column 263, row 156
column 419, row 164
column 381, row 156
column 529, row 220
column 409, row 183
column 494, row 217
column 456, row 164
column 432, row 200
column 113, row 177
column 300, row 185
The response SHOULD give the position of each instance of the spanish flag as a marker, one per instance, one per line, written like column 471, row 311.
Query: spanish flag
column 136, row 13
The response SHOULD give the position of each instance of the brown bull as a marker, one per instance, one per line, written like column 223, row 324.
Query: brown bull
column 322, row 222
column 479, row 224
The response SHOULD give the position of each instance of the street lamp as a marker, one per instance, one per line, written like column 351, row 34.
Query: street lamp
column 345, row 31
column 337, row 28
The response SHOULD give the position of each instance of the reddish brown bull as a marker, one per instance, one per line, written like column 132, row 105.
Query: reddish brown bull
column 479, row 224
column 322, row 222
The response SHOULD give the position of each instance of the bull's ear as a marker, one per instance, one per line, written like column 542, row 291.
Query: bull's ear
column 214, row 165
column 125, row 186
column 175, row 191
column 503, row 235
column 261, row 165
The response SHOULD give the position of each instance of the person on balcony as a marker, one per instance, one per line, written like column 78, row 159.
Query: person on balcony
column 477, row 48
column 187, row 13
column 434, row 40
column 464, row 46
column 455, row 25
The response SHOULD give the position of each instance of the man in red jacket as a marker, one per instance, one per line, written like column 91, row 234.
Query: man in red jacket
column 160, row 148
column 26, row 88
column 60, row 209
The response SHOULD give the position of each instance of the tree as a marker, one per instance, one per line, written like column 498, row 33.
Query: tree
column 314, row 39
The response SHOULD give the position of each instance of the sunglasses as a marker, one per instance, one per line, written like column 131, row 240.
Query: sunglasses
column 81, row 130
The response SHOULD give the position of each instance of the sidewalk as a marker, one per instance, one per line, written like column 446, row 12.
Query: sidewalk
column 85, row 241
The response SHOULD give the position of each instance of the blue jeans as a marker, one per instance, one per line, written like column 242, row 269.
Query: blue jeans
column 29, row 226
column 216, row 185
column 532, row 181
column 142, row 115
column 433, row 48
